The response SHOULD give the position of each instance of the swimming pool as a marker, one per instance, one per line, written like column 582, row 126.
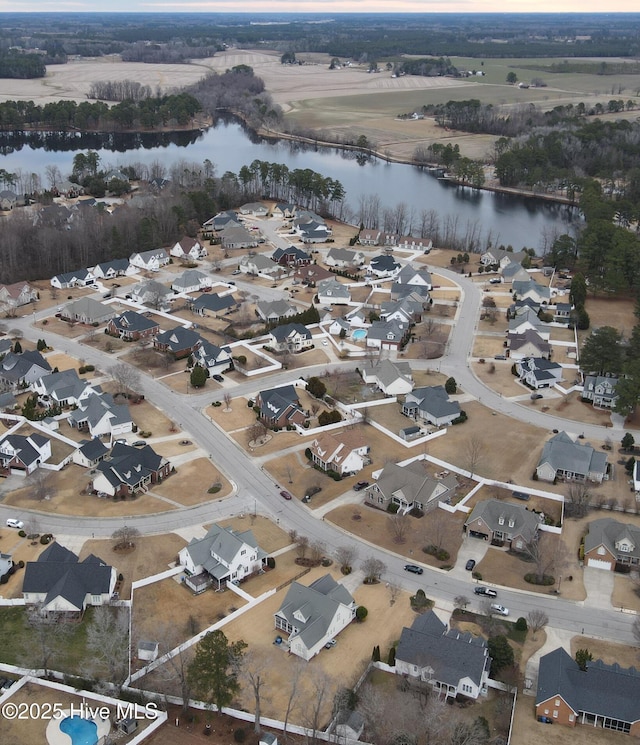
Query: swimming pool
column 81, row 731
column 359, row 334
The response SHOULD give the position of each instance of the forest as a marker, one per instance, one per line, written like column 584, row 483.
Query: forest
column 21, row 65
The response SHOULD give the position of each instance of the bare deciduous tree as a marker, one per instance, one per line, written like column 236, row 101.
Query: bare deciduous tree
column 126, row 376
column 124, row 536
column 394, row 592
column 399, row 527
column 108, row 641
column 578, row 499
column 461, row 602
column 302, row 546
column 295, row 675
column 48, row 636
column 537, row 619
column 541, row 554
column 227, row 401
column 318, row 549
column 40, row 483
column 321, row 692
column 474, row 450
column 346, row 556
column 373, row 569
column 437, row 527
column 254, row 672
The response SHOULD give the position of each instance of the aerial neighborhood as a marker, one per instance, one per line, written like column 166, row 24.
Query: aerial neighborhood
column 137, row 387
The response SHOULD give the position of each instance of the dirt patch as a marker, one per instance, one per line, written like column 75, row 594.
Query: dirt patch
column 152, row 554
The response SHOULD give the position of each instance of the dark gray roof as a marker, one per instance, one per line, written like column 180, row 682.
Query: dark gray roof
column 129, row 465
column 280, row 333
column 297, row 253
column 384, row 263
column 133, row 322
column 605, row 690
column 93, row 449
column 563, row 454
column 608, row 532
column 14, row 367
column 452, row 655
column 213, row 302
column 275, row 401
column 492, row 511
column 59, row 573
column 178, row 338
column 433, row 400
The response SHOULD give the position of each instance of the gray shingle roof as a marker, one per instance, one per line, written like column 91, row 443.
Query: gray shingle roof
column 605, row 690
column 563, row 454
column 433, row 400
column 525, row 522
column 132, row 322
column 608, row 532
column 213, row 302
column 281, row 333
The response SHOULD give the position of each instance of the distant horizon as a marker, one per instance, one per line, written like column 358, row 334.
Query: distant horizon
column 341, row 7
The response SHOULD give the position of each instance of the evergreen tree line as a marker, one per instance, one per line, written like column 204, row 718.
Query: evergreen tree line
column 15, row 64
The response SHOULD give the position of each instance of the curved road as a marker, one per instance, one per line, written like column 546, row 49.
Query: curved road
column 256, row 491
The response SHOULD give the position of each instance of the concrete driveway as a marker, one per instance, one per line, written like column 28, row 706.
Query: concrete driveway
column 599, row 585
column 472, row 548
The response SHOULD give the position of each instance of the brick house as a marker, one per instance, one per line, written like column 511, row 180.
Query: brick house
column 495, row 520
column 610, row 542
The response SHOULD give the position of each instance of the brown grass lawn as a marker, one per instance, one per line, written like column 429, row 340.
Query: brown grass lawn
column 374, row 526
column 152, row 554
column 389, row 416
column 500, row 380
column 571, row 407
column 64, row 362
column 309, row 357
column 20, row 549
column 190, row 484
column 428, row 377
column 550, row 507
column 625, row 594
column 616, row 312
column 445, row 293
column 269, row 536
column 239, row 417
column 65, row 328
column 279, row 441
column 609, row 652
column 488, row 346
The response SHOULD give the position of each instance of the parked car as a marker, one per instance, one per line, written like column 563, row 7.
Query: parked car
column 521, row 495
column 486, row 592
column 499, row 609
column 285, row 494
column 218, row 378
column 500, row 357
column 495, row 281
column 330, row 644
column 536, row 396
column 470, row 564
column 235, row 272
column 139, row 443
column 413, row 569
column 13, row 522
column 545, row 720
column 360, row 485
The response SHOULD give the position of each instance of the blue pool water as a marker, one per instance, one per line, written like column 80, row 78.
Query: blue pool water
column 81, row 731
column 359, row 334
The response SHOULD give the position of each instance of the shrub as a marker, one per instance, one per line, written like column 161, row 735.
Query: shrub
column 476, row 575
column 532, row 579
column 521, row 624
column 329, row 417
column 361, row 613
column 375, row 655
column 451, row 386
column 21, row 533
column 271, row 562
column 460, row 419
column 21, row 564
column 45, row 538
column 391, row 658
column 393, row 508
column 4, row 579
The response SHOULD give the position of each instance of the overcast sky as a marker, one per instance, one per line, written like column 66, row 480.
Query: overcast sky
column 326, row 6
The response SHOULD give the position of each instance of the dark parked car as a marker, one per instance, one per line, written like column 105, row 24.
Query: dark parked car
column 413, row 569
column 536, row 396
column 470, row 564
column 545, row 720
column 218, row 378
column 139, row 443
column 360, row 485
column 486, row 592
column 500, row 357
column 521, row 495
column 285, row 494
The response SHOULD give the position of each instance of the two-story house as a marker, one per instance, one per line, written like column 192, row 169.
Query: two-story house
column 280, row 407
column 179, row 342
column 188, row 249
column 332, row 292
column 610, row 542
column 431, row 404
column 345, row 452
column 150, row 261
column 503, row 522
column 538, row 372
column 21, row 455
column 291, row 337
column 291, row 256
column 132, row 326
column 600, row 390
column 130, row 470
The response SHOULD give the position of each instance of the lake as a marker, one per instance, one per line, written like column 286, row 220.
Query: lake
column 504, row 219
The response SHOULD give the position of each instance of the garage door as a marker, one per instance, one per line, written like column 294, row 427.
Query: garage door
column 598, row 564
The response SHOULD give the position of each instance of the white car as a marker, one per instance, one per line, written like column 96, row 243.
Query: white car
column 499, row 609
column 12, row 522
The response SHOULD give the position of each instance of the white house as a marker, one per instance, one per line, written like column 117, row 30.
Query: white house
column 345, row 452
column 501, row 257
column 260, row 265
column 213, row 358
column 292, row 337
column 392, row 378
column 386, row 334
column 344, row 258
column 189, row 249
column 330, row 291
column 538, row 372
column 191, row 280
column 384, row 266
column 99, row 415
column 431, row 404
column 150, row 261
column 600, row 390
column 221, row 556
column 312, row 616
column 77, row 278
column 21, row 455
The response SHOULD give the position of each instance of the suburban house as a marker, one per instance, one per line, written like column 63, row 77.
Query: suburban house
column 178, row 341
column 384, row 266
column 191, row 280
column 260, row 265
column 152, row 293
column 345, row 258
column 150, row 261
column 610, row 542
column 24, row 368
column 188, row 249
column 212, row 304
column 221, row 556
column 503, row 522
column 285, row 210
column 410, row 487
column 411, row 243
column 8, row 402
column 311, row 274
column 280, row 407
column 358, row 318
column 222, row 220
column 292, row 337
column 17, row 294
column 407, row 310
column 569, row 460
column 311, row 227
column 600, row 390
column 275, row 309
column 113, row 268
column 501, row 257
column 90, row 453
column 562, row 312
column 518, row 305
column 255, row 209
column 213, row 358
column 100, row 416
column 538, row 372
column 387, row 334
column 601, row 696
column 527, row 344
column 338, row 326
column 514, row 272
column 21, row 455
column 87, row 310
column 410, row 276
column 369, row 237
column 527, row 319
column 454, row 663
column 129, row 470
column 431, row 404
column 63, row 586
column 132, row 326
column 345, row 452
column 64, row 388
column 237, row 236
column 291, row 256
column 392, row 378
column 77, row 278
column 330, row 292
column 531, row 289
column 314, row 615
column 8, row 199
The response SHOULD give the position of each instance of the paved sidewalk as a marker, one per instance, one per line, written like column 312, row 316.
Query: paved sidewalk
column 555, row 638
column 599, row 586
